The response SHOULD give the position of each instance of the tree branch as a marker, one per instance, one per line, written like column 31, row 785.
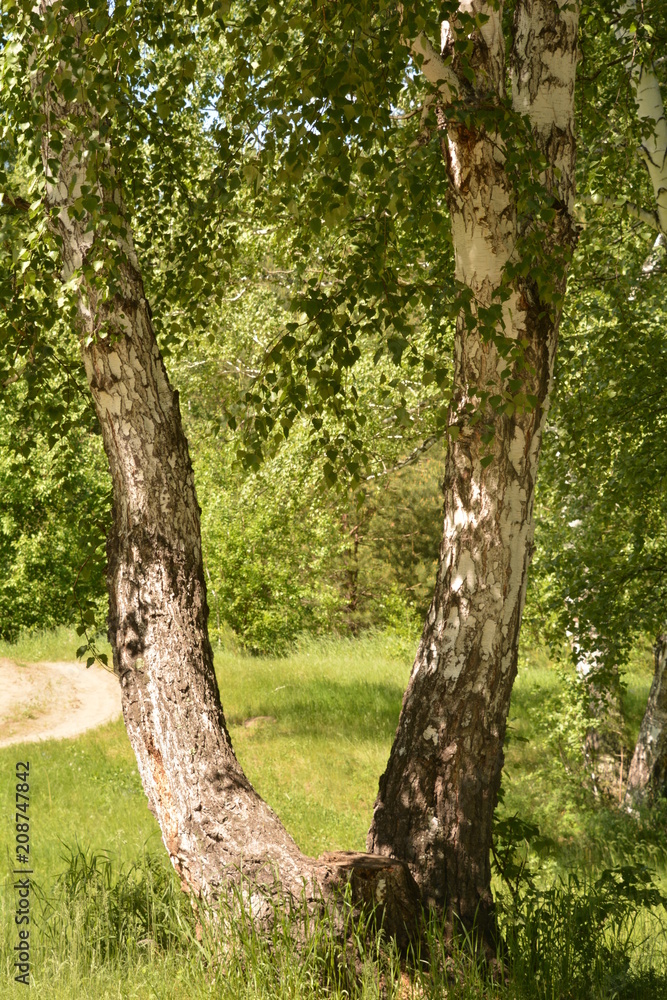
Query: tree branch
column 11, row 201
column 648, row 218
column 434, row 68
column 412, row 457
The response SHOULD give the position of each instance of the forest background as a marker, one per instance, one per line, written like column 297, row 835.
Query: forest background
column 321, row 516
column 321, row 497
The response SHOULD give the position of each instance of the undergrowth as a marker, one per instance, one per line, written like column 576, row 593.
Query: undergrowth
column 578, row 882
column 102, row 930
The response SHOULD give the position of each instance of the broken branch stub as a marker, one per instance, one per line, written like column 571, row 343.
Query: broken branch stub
column 383, row 885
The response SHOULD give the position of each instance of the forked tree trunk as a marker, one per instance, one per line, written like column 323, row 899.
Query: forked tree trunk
column 436, row 799
column 647, row 777
column 218, row 831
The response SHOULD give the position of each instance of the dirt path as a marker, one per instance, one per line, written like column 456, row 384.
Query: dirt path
column 54, row 701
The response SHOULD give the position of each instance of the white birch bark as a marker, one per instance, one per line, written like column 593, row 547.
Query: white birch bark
column 647, row 776
column 436, row 799
column 650, row 109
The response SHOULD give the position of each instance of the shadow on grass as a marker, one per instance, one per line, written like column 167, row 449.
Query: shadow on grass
column 355, row 710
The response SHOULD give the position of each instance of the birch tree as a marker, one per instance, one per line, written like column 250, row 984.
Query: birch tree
column 646, row 776
column 602, row 511
column 437, row 796
column 218, row 831
column 506, row 134
column 645, row 85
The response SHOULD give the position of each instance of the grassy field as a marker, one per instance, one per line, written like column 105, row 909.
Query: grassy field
column 313, row 732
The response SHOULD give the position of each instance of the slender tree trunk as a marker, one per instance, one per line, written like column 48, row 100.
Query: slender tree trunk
column 603, row 746
column 215, row 826
column 437, row 796
column 650, row 108
column 218, row 831
column 351, row 572
column 647, row 777
column 210, row 816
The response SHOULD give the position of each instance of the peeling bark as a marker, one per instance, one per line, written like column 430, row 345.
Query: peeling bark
column 650, row 108
column 647, row 777
column 218, row 831
column 437, row 796
column 432, row 820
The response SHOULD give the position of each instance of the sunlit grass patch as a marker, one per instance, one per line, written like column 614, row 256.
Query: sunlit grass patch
column 56, row 645
column 335, row 707
column 324, row 719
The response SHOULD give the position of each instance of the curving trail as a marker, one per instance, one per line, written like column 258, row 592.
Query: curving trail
column 54, row 701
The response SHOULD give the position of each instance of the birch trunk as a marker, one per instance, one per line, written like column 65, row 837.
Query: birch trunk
column 603, row 746
column 211, row 818
column 218, row 831
column 647, row 777
column 650, row 108
column 437, row 796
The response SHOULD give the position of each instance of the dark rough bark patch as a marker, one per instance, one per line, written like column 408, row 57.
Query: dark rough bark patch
column 383, row 885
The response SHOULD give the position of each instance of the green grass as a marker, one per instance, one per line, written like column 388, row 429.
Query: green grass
column 60, row 644
column 335, row 707
column 332, row 709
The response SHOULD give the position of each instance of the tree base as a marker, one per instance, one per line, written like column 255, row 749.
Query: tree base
column 384, row 885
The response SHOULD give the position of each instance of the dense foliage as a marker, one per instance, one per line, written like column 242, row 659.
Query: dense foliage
column 53, row 522
column 280, row 166
column 599, row 568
